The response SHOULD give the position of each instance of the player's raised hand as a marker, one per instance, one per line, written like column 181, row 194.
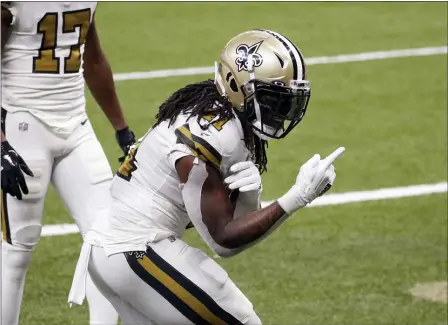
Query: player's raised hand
column 324, row 175
column 12, row 169
column 315, row 178
column 245, row 177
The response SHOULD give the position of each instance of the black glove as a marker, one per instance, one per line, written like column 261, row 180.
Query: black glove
column 125, row 138
column 13, row 180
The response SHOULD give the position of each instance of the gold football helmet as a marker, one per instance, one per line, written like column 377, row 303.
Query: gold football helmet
column 263, row 75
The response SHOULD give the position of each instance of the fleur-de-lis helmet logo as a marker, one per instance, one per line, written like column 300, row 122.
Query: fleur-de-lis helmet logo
column 243, row 52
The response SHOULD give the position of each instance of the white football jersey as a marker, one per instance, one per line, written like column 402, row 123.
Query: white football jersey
column 148, row 204
column 42, row 62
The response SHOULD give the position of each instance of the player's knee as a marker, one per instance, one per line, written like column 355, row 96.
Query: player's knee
column 27, row 236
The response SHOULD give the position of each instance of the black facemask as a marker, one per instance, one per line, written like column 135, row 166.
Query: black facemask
column 281, row 108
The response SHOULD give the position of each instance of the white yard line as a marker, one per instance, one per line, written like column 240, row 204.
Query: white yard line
column 380, row 194
column 343, row 58
column 329, row 199
column 60, row 229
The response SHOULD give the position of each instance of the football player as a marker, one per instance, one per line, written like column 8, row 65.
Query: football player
column 48, row 50
column 200, row 165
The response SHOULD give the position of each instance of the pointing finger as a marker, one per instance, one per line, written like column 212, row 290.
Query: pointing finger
column 331, row 158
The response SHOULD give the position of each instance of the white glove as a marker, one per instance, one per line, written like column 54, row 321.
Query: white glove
column 245, row 177
column 314, row 179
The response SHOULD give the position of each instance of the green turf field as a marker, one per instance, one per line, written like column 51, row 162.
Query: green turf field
column 346, row 264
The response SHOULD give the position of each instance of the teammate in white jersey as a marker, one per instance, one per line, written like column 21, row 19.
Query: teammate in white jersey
column 48, row 50
column 200, row 164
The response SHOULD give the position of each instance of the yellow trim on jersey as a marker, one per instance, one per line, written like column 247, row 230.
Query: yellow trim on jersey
column 201, row 148
column 218, row 125
column 180, row 291
column 5, row 221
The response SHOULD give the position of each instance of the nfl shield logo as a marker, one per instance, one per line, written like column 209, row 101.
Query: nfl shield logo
column 23, row 126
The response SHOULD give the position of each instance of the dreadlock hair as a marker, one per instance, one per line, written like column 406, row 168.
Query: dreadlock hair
column 202, row 98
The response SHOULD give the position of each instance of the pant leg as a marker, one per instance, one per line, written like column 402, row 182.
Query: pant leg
column 82, row 179
column 173, row 283
column 22, row 220
column 128, row 314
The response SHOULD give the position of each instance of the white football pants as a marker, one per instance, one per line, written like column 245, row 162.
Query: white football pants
column 171, row 283
column 80, row 173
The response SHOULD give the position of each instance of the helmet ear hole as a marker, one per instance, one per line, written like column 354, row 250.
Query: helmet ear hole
column 231, row 81
column 233, row 85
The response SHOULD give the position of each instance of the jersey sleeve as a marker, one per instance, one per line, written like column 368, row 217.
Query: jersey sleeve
column 218, row 143
column 204, row 145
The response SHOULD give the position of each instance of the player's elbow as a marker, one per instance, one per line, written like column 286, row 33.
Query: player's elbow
column 221, row 243
column 224, row 240
column 224, row 252
column 227, row 245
